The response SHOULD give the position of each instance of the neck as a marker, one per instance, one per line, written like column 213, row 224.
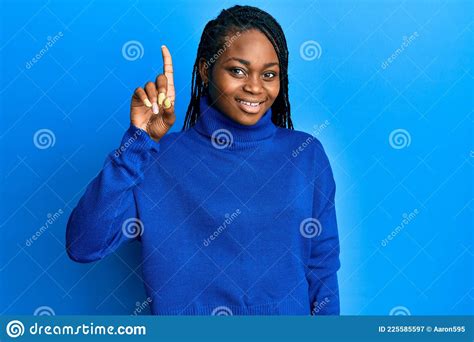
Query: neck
column 229, row 134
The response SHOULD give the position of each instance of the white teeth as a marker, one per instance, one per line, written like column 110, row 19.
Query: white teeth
column 252, row 104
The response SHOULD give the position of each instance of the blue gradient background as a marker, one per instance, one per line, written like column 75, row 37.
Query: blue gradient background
column 80, row 89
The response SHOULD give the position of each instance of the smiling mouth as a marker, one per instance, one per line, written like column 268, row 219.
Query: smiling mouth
column 250, row 107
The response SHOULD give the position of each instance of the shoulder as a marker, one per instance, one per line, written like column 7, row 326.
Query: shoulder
column 301, row 141
column 307, row 147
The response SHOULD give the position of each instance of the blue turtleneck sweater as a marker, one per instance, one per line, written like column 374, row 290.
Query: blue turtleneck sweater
column 232, row 219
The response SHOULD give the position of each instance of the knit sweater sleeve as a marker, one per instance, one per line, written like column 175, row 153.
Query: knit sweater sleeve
column 324, row 253
column 106, row 215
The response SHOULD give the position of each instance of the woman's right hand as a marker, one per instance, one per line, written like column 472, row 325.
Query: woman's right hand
column 152, row 107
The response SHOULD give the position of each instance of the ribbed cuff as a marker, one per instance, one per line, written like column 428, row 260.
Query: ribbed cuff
column 135, row 150
column 138, row 137
column 285, row 307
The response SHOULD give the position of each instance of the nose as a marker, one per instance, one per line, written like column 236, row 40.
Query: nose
column 253, row 85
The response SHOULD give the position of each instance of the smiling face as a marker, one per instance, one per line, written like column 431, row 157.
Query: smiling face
column 245, row 79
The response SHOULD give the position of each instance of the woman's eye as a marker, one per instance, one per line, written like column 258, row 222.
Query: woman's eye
column 237, row 71
column 269, row 75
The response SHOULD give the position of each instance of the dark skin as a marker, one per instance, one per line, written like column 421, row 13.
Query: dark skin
column 247, row 70
column 152, row 107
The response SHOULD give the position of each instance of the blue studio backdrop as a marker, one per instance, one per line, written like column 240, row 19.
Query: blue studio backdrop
column 385, row 85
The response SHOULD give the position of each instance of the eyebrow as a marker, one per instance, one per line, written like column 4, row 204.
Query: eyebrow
column 245, row 62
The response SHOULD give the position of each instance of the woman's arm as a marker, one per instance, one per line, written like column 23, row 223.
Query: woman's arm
column 324, row 255
column 98, row 224
column 106, row 215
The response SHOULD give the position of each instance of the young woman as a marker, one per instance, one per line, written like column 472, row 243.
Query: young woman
column 235, row 213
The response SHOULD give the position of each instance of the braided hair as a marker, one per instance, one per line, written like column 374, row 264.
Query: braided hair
column 233, row 20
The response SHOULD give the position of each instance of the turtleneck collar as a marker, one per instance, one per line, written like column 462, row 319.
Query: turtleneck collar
column 228, row 133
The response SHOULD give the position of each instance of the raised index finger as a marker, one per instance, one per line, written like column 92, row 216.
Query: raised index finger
column 168, row 71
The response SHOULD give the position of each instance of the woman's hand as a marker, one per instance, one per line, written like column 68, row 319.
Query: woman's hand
column 152, row 107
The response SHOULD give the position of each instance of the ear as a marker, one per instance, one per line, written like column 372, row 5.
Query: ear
column 204, row 70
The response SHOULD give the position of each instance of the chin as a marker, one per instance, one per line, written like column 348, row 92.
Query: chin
column 248, row 119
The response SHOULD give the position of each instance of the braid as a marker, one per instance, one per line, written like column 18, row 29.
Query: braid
column 240, row 19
